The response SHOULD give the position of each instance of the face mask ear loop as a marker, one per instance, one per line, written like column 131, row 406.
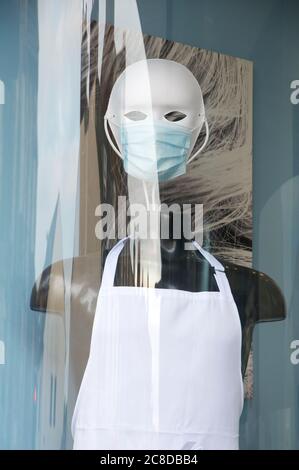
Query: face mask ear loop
column 109, row 138
column 203, row 145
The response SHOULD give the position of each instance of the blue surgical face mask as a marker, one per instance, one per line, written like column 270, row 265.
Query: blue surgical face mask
column 155, row 150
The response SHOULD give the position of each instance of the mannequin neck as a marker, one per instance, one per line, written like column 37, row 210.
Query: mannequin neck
column 174, row 243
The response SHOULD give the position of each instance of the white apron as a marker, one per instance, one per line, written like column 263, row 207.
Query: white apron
column 164, row 370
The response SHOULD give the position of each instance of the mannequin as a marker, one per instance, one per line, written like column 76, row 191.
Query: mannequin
column 257, row 296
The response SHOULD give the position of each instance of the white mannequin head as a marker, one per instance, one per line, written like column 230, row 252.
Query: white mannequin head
column 156, row 90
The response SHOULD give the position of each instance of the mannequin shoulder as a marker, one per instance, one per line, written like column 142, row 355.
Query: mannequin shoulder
column 81, row 274
column 261, row 289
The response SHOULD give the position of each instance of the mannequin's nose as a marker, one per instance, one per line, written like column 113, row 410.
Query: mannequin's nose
column 157, row 114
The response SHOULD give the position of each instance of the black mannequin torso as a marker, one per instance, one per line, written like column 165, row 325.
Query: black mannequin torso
column 257, row 296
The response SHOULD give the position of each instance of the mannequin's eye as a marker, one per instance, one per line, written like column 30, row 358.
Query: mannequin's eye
column 136, row 116
column 174, row 116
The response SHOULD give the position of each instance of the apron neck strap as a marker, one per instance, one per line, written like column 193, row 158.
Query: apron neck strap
column 220, row 276
column 111, row 263
column 210, row 258
column 112, row 258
